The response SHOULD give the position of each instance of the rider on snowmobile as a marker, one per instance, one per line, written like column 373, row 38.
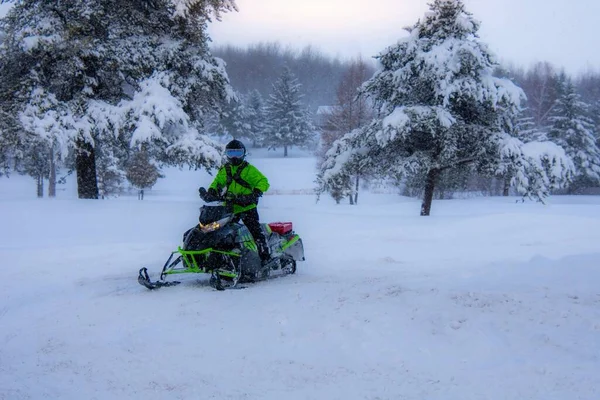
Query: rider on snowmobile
column 241, row 183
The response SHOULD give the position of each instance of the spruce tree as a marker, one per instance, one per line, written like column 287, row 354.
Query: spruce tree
column 234, row 119
column 574, row 131
column 288, row 123
column 141, row 172
column 255, row 118
column 439, row 105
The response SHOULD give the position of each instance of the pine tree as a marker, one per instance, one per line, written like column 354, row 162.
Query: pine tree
column 234, row 119
column 595, row 111
column 255, row 118
column 332, row 178
column 41, row 140
column 440, row 106
column 139, row 70
column 111, row 159
column 141, row 173
column 287, row 120
column 573, row 130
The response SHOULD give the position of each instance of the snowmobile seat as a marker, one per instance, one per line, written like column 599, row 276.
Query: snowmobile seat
column 281, row 227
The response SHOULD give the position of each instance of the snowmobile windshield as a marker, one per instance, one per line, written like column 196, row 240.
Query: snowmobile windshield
column 210, row 214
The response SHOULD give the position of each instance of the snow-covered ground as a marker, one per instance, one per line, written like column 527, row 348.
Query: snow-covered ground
column 485, row 299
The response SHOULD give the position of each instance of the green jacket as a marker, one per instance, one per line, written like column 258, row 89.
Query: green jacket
column 249, row 174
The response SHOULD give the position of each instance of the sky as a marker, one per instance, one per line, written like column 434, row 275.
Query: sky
column 564, row 32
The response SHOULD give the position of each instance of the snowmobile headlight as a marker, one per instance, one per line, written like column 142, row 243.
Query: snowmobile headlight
column 213, row 226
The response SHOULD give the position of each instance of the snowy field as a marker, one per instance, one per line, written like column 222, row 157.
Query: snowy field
column 485, row 299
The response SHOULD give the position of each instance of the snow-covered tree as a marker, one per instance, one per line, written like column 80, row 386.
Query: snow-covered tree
column 255, row 117
column 43, row 139
column 541, row 84
column 10, row 138
column 595, row 111
column 351, row 111
column 522, row 128
column 141, row 172
column 440, row 106
column 36, row 163
column 288, row 123
column 138, row 70
column 534, row 168
column 111, row 160
column 339, row 165
column 233, row 122
column 574, row 131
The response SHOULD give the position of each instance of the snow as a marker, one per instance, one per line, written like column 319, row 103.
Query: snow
column 540, row 153
column 485, row 299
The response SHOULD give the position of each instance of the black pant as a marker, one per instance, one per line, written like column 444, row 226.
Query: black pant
column 251, row 220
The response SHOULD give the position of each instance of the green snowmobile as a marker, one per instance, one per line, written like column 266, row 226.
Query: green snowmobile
column 224, row 248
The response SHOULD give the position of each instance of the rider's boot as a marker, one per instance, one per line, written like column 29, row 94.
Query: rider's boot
column 264, row 253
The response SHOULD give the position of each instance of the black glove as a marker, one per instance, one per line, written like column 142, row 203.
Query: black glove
column 208, row 195
column 248, row 199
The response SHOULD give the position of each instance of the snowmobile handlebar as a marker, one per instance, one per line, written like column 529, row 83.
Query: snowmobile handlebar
column 211, row 195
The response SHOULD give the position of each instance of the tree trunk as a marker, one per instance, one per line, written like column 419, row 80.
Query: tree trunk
column 356, row 189
column 351, row 199
column 85, row 162
column 285, row 152
column 52, row 179
column 40, row 186
column 506, row 188
column 429, row 188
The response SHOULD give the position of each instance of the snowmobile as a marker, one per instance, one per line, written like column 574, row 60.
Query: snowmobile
column 221, row 246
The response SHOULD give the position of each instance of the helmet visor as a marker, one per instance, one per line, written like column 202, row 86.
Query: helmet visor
column 234, row 153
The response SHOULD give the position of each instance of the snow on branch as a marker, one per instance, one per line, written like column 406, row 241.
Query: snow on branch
column 185, row 8
column 403, row 120
column 154, row 109
column 537, row 167
column 196, row 150
column 49, row 120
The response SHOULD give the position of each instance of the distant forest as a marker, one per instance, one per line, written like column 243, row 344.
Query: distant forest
column 258, row 66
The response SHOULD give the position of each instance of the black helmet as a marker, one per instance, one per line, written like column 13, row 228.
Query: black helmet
column 235, row 152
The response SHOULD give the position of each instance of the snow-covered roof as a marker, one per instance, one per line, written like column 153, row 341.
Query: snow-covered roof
column 326, row 110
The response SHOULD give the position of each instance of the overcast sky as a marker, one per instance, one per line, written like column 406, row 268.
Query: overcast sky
column 564, row 32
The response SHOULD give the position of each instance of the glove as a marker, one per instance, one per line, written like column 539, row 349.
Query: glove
column 208, row 195
column 248, row 199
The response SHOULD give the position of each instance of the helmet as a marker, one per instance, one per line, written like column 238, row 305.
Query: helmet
column 235, row 152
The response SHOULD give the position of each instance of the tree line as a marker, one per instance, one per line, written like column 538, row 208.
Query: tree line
column 257, row 66
column 108, row 90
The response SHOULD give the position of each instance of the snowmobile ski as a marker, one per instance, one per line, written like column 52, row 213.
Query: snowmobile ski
column 144, row 280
